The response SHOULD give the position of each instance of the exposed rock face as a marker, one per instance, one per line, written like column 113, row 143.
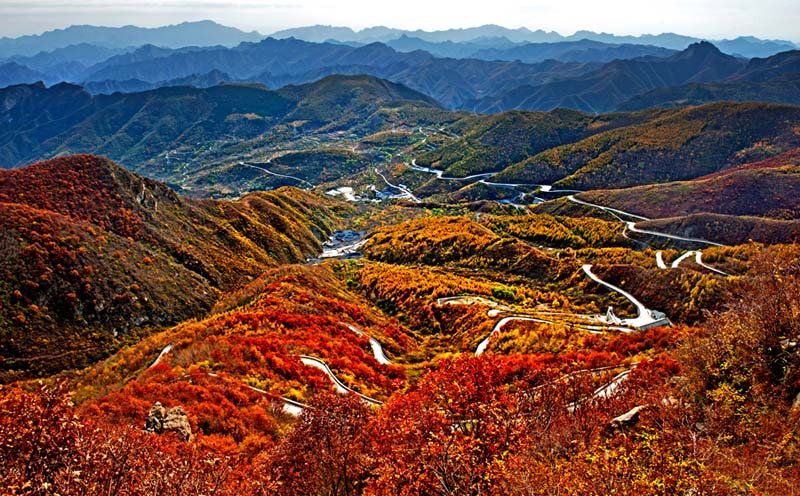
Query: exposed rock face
column 160, row 420
column 628, row 419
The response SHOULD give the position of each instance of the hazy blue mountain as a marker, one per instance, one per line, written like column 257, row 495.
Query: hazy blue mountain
column 320, row 33
column 107, row 87
column 110, row 86
column 763, row 69
column 571, row 51
column 451, row 49
column 666, row 40
column 745, row 46
column 12, row 73
column 750, row 47
column 618, row 81
column 153, row 64
column 290, row 61
column 452, row 82
column 84, row 54
column 201, row 33
column 773, row 79
column 530, row 53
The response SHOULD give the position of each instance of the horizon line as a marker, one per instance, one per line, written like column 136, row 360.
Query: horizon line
column 357, row 30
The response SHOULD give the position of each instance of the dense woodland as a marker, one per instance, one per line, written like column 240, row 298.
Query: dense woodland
column 715, row 417
column 711, row 400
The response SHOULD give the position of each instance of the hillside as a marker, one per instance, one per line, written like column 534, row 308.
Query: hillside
column 126, row 127
column 764, row 189
column 495, row 142
column 677, row 145
column 343, row 102
column 782, row 89
column 728, row 229
column 184, row 134
column 93, row 255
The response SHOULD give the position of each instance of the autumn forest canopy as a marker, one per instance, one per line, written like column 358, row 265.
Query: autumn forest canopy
column 414, row 267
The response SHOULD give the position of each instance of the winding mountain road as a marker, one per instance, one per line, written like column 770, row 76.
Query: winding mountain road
column 485, row 343
column 645, row 318
column 292, row 407
column 377, row 348
column 698, row 259
column 275, row 173
column 340, row 386
column 440, row 174
column 633, row 228
column 166, row 350
column 677, row 261
column 404, row 191
column 615, row 212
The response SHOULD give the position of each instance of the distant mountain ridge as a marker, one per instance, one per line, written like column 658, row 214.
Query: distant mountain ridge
column 530, row 53
column 489, row 73
column 458, row 83
column 744, row 46
column 199, row 33
column 606, row 88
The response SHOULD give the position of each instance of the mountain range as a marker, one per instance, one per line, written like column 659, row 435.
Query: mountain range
column 485, row 74
column 197, row 140
column 200, row 33
column 744, row 46
column 485, row 86
column 605, row 88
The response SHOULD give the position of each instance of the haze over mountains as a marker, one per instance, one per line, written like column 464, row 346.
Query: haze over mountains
column 745, row 46
column 584, row 75
column 485, row 69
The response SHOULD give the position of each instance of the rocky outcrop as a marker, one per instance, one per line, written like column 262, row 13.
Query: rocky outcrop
column 160, row 420
column 628, row 419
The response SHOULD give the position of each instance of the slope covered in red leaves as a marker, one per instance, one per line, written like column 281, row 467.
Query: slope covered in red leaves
column 90, row 253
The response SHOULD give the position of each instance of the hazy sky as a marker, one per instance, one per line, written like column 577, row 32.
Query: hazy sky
column 701, row 18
